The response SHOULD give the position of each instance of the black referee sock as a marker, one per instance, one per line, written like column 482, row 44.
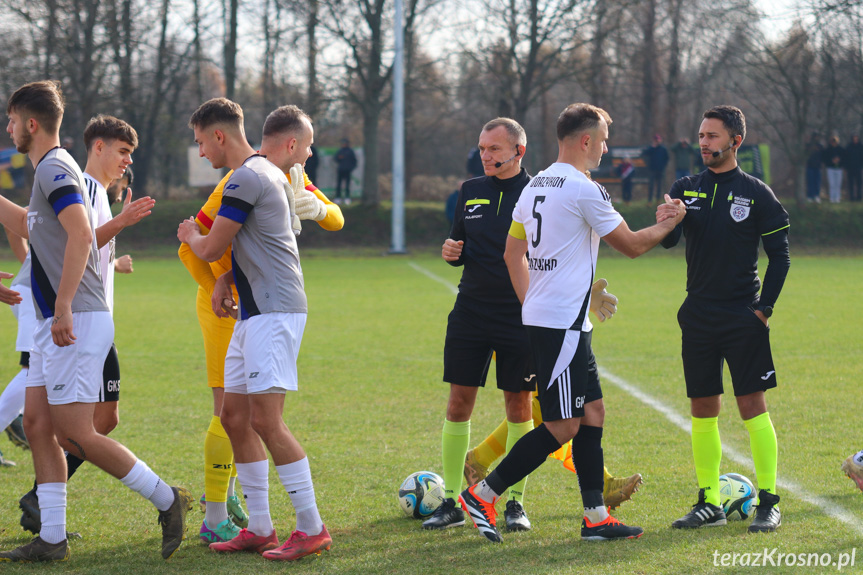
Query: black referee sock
column 526, row 455
column 588, row 461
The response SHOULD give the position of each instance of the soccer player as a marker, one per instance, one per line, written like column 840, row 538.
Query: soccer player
column 558, row 222
column 109, row 142
column 73, row 334
column 255, row 219
column 853, row 468
column 12, row 398
column 486, row 317
column 224, row 515
column 723, row 318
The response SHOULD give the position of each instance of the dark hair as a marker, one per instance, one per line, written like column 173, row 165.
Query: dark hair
column 109, row 128
column 42, row 101
column 513, row 128
column 285, row 120
column 580, row 117
column 217, row 111
column 129, row 175
column 731, row 117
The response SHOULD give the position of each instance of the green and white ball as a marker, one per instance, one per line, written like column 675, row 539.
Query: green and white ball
column 737, row 495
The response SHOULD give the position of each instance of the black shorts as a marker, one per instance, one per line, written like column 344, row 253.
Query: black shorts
column 713, row 333
column 474, row 330
column 110, row 377
column 25, row 359
column 566, row 375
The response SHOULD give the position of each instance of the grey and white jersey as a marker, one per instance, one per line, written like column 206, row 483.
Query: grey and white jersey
column 265, row 259
column 58, row 183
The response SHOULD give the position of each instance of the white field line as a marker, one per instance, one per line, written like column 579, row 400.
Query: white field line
column 685, row 425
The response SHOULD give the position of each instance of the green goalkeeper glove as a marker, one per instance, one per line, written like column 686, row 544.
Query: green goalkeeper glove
column 602, row 304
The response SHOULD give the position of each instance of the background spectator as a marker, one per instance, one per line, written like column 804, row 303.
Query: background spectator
column 625, row 171
column 683, row 156
column 813, row 168
column 834, row 161
column 656, row 157
column 346, row 162
column 854, row 167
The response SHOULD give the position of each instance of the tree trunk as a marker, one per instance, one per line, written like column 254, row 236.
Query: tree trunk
column 313, row 104
column 231, row 51
column 371, row 117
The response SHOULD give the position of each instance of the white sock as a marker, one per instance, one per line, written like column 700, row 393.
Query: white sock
column 150, row 486
column 216, row 513
column 486, row 493
column 52, row 506
column 296, row 477
column 12, row 399
column 231, row 486
column 256, row 487
column 596, row 514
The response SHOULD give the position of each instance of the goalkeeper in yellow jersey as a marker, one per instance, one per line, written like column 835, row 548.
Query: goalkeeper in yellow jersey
column 480, row 458
column 224, row 515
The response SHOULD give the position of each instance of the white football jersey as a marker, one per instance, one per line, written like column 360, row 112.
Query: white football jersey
column 98, row 198
column 564, row 214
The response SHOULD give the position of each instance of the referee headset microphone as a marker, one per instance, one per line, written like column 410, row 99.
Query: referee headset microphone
column 517, row 154
column 718, row 153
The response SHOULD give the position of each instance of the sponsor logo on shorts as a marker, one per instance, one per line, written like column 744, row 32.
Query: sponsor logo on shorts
column 113, row 385
column 59, row 387
column 579, row 401
column 767, row 375
column 253, row 375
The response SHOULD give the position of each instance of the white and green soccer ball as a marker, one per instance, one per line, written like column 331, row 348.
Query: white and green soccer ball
column 736, row 495
column 421, row 494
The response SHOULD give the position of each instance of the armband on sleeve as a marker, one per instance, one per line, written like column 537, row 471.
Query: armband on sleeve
column 516, row 230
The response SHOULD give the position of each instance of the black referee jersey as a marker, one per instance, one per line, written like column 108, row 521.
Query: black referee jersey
column 483, row 215
column 726, row 216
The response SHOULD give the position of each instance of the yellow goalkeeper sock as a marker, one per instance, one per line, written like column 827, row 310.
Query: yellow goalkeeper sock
column 493, row 446
column 218, row 462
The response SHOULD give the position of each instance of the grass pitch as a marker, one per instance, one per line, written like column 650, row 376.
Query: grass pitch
column 371, row 404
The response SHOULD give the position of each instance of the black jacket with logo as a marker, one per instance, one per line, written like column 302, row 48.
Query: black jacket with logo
column 483, row 216
column 726, row 216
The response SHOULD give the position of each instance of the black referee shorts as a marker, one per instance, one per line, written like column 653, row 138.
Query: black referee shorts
column 475, row 330
column 715, row 332
column 110, row 377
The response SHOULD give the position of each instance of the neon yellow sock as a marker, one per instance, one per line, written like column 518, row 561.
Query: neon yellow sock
column 493, row 446
column 707, row 453
column 456, row 439
column 218, row 462
column 515, row 432
column 762, row 441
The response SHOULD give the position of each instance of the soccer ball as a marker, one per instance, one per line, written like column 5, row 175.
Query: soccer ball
column 420, row 494
column 737, row 495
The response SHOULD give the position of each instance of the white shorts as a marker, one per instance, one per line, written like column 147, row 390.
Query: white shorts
column 25, row 313
column 72, row 374
column 263, row 353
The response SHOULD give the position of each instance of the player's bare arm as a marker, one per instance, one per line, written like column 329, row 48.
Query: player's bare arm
column 516, row 264
column 451, row 250
column 212, row 246
column 14, row 217
column 17, row 244
column 133, row 212
column 74, row 220
column 7, row 295
column 633, row 244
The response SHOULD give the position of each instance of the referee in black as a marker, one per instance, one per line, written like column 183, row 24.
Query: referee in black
column 724, row 318
column 486, row 317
